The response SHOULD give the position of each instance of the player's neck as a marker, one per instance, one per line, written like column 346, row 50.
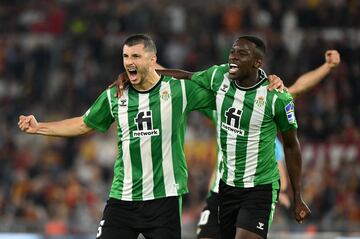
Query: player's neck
column 248, row 81
column 151, row 80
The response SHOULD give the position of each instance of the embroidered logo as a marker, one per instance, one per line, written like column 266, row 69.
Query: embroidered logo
column 165, row 95
column 260, row 101
column 123, row 102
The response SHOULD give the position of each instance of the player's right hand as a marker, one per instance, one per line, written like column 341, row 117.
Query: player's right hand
column 120, row 84
column 301, row 211
column 28, row 124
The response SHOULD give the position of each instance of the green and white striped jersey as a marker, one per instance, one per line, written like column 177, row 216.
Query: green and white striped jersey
column 248, row 120
column 151, row 125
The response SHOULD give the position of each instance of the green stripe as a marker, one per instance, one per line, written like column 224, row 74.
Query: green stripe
column 180, row 209
column 177, row 140
column 241, row 141
column 135, row 154
column 156, row 151
column 118, row 180
column 227, row 103
column 275, row 190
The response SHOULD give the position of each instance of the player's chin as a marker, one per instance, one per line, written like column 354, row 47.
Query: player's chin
column 233, row 76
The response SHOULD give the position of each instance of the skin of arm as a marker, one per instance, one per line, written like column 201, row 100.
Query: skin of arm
column 64, row 128
column 293, row 164
column 310, row 79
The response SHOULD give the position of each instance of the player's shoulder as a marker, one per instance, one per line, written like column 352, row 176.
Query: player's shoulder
column 223, row 68
column 282, row 95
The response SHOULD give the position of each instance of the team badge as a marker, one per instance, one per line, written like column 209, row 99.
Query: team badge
column 260, row 101
column 165, row 95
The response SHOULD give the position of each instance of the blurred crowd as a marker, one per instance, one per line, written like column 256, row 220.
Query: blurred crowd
column 57, row 56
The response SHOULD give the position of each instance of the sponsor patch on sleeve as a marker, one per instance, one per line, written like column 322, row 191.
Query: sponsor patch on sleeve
column 289, row 110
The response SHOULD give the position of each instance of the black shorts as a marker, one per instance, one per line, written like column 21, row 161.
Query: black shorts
column 208, row 226
column 159, row 218
column 251, row 209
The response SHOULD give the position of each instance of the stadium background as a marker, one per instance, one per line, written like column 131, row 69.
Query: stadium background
column 56, row 56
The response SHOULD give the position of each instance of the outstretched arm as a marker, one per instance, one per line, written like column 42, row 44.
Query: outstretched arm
column 293, row 164
column 310, row 79
column 64, row 128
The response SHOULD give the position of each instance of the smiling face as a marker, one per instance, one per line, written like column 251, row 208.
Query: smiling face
column 138, row 61
column 244, row 59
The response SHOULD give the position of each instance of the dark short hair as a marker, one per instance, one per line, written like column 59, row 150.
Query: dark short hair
column 260, row 45
column 144, row 39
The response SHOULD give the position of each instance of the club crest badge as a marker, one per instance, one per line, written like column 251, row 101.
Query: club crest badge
column 260, row 101
column 165, row 95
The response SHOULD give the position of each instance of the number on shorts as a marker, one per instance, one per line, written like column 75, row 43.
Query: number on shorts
column 204, row 217
column 99, row 231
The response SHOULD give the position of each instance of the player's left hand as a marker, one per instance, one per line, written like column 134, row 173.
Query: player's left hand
column 301, row 211
column 120, row 84
column 275, row 83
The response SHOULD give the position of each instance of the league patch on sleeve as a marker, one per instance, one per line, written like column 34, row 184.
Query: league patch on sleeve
column 289, row 110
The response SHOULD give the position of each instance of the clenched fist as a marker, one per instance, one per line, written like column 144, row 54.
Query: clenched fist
column 332, row 58
column 28, row 124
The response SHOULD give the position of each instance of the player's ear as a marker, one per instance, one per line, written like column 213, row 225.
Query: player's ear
column 153, row 59
column 258, row 63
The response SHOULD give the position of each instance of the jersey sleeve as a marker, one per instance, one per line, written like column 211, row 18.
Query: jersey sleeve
column 198, row 97
column 205, row 78
column 99, row 116
column 285, row 113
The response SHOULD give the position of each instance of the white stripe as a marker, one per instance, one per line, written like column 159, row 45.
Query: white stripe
column 212, row 78
column 252, row 153
column 184, row 99
column 109, row 99
column 123, row 122
column 231, row 139
column 273, row 104
column 166, row 129
column 220, row 96
column 145, row 152
column 219, row 160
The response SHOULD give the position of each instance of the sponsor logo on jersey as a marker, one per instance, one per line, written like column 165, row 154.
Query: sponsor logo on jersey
column 289, row 110
column 232, row 116
column 144, row 125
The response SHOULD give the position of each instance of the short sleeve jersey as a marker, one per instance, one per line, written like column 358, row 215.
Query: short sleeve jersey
column 150, row 129
column 248, row 121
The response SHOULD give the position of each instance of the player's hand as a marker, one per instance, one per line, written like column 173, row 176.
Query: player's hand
column 121, row 82
column 301, row 211
column 28, row 124
column 284, row 199
column 332, row 58
column 275, row 83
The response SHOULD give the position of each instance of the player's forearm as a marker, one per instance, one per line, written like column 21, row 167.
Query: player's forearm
column 308, row 80
column 178, row 74
column 293, row 164
column 64, row 128
column 283, row 177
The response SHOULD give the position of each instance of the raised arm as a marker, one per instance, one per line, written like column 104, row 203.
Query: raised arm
column 310, row 79
column 64, row 128
column 293, row 164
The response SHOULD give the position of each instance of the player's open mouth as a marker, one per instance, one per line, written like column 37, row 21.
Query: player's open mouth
column 132, row 73
column 233, row 68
